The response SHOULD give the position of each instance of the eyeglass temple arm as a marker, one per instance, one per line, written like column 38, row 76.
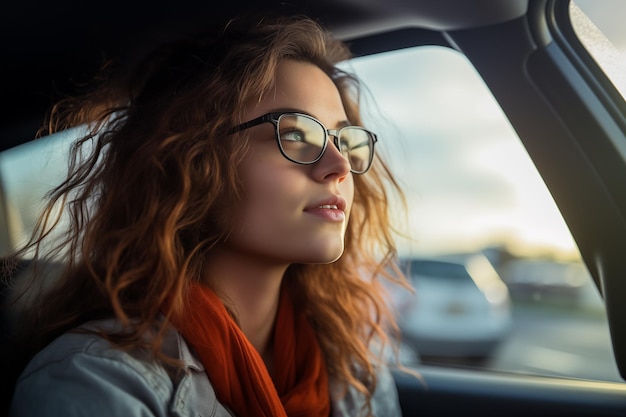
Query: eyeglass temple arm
column 254, row 122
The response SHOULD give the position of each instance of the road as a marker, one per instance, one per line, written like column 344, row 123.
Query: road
column 548, row 341
column 560, row 342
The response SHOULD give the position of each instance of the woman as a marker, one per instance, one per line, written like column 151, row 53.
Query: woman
column 225, row 240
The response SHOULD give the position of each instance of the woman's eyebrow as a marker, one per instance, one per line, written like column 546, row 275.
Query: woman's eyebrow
column 338, row 125
column 290, row 110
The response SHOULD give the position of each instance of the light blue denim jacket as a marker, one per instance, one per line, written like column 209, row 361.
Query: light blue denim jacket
column 81, row 374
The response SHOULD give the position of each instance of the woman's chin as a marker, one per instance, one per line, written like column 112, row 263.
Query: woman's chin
column 327, row 254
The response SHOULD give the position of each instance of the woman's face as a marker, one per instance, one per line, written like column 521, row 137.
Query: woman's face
column 294, row 213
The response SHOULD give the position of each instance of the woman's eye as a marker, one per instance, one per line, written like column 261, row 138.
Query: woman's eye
column 293, row 136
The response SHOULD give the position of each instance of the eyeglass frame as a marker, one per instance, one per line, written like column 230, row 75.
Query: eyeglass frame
column 274, row 117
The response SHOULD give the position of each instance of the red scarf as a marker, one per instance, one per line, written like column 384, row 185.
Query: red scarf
column 237, row 371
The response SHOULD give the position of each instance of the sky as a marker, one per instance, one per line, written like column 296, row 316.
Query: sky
column 468, row 179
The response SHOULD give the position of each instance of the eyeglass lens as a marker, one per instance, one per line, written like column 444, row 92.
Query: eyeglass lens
column 302, row 140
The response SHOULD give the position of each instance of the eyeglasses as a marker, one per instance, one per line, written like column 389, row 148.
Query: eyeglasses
column 303, row 139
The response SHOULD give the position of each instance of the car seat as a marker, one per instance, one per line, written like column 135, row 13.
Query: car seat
column 27, row 173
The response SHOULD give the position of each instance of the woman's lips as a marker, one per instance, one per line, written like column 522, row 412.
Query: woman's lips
column 331, row 209
column 328, row 212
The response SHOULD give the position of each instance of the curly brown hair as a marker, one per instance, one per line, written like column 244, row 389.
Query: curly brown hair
column 146, row 191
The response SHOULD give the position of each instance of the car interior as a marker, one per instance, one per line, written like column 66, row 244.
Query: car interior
column 567, row 113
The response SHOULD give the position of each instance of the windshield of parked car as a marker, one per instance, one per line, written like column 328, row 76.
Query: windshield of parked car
column 440, row 270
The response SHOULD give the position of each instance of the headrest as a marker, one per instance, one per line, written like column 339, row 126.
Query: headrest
column 27, row 173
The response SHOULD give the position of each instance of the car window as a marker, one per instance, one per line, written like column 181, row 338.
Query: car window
column 601, row 30
column 475, row 196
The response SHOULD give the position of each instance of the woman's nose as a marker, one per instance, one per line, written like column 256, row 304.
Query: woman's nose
column 333, row 163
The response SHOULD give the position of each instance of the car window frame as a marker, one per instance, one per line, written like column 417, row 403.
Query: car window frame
column 606, row 265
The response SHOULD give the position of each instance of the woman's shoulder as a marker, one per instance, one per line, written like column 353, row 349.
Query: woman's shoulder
column 384, row 401
column 82, row 371
column 86, row 345
column 76, row 343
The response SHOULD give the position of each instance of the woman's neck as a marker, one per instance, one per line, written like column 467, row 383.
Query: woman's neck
column 250, row 288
